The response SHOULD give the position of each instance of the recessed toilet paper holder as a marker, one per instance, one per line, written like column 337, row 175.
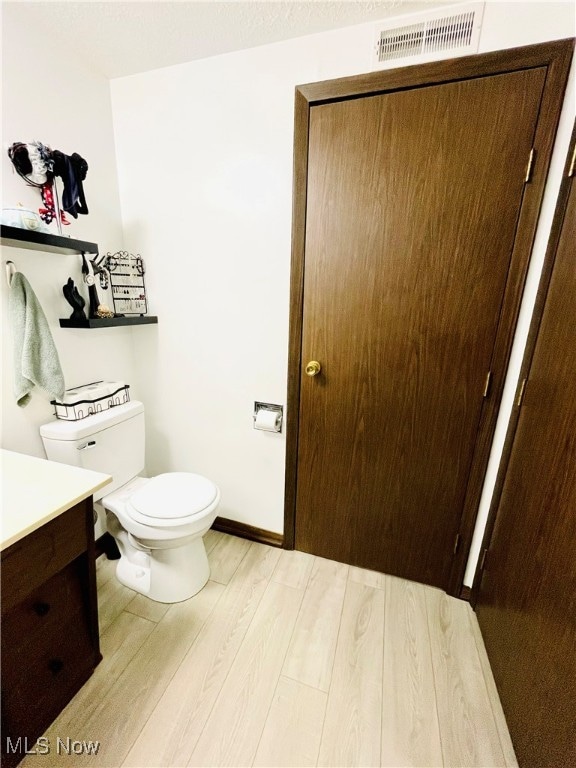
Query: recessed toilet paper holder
column 268, row 417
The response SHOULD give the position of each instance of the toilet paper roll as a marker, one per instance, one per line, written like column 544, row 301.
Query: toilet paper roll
column 268, row 420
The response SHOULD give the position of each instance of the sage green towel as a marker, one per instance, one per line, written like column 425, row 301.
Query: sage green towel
column 35, row 356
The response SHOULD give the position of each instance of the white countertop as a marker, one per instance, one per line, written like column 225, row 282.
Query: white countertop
column 35, row 491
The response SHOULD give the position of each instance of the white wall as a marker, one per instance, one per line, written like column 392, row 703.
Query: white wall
column 205, row 174
column 48, row 97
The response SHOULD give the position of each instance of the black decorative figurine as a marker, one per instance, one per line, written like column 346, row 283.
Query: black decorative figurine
column 75, row 300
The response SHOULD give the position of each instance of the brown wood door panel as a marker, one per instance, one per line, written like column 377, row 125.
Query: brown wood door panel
column 527, row 598
column 412, row 203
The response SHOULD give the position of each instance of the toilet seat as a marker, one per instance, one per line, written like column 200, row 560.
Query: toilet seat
column 169, row 502
column 172, row 499
column 173, row 496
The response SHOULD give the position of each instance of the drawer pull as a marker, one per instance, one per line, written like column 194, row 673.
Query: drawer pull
column 55, row 665
column 41, row 608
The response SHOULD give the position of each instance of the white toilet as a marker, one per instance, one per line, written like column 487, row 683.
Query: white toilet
column 158, row 523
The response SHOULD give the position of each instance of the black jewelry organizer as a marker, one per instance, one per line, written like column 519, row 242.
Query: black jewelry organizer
column 126, row 283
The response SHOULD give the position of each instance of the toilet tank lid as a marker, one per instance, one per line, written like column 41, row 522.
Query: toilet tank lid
column 174, row 495
column 59, row 429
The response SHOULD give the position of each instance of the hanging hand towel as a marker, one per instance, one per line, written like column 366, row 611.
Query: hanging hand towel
column 35, row 355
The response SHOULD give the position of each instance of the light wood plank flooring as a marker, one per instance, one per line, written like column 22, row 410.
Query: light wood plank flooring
column 285, row 659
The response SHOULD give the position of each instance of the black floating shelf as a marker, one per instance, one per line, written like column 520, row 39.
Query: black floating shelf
column 109, row 322
column 16, row 237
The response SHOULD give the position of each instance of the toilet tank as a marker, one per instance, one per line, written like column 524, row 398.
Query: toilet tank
column 112, row 442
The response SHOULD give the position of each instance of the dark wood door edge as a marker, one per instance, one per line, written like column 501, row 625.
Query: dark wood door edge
column 550, row 109
column 540, row 302
column 299, row 199
column 250, row 532
column 437, row 72
column 556, row 57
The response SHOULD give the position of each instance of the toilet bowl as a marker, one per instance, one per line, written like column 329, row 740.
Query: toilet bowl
column 158, row 523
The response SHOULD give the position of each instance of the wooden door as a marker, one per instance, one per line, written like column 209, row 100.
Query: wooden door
column 527, row 599
column 413, row 199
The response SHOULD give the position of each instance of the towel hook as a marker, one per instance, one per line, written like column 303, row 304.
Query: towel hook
column 10, row 272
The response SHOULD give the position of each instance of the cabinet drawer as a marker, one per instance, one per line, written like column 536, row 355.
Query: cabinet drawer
column 39, row 679
column 30, row 562
column 47, row 606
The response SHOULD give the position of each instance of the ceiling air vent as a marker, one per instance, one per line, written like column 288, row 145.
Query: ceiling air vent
column 432, row 35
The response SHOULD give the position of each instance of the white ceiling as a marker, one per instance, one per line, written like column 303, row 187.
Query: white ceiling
column 122, row 38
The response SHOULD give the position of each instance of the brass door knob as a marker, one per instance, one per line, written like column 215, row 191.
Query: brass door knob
column 313, row 368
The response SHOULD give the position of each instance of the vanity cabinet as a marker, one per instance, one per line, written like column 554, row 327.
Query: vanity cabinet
column 50, row 643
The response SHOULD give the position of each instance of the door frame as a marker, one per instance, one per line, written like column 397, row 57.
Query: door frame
column 555, row 56
column 549, row 260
